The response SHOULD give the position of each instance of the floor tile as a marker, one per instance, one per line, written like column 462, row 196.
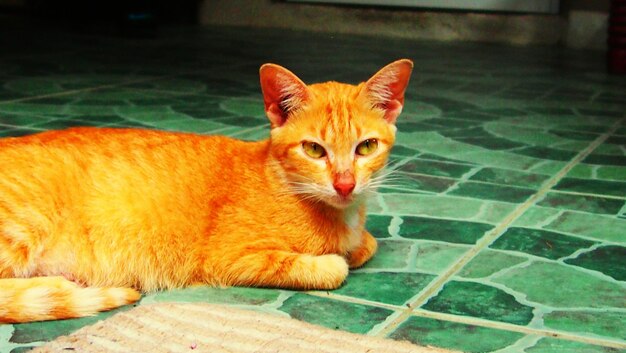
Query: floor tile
column 488, row 141
column 525, row 135
column 391, row 254
column 510, row 177
column 475, row 141
column 385, row 287
column 547, row 153
column 601, row 323
column 583, row 203
column 605, row 259
column 434, row 143
column 479, row 300
column 435, row 168
column 551, row 245
column 334, row 314
column 590, row 225
column 11, row 132
column 492, row 192
column 55, row 84
column 489, row 262
column 436, row 257
column 612, row 147
column 411, row 183
column 577, row 289
column 401, row 151
column 551, row 345
column 596, row 187
column 575, row 135
column 612, row 157
column 442, row 230
column 452, row 335
column 430, row 205
column 20, row 119
column 378, row 225
column 235, row 295
column 611, row 173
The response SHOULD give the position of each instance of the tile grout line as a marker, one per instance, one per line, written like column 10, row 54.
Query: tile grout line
column 88, row 89
column 579, row 193
column 354, row 300
column 400, row 310
column 110, row 85
column 70, row 92
column 518, row 328
column 487, row 239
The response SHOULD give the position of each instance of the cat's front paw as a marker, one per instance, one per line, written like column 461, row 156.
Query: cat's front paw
column 364, row 252
column 322, row 272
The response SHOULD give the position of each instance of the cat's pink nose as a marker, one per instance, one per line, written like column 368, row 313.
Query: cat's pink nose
column 344, row 189
column 344, row 183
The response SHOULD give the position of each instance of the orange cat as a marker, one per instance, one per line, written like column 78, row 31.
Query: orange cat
column 90, row 216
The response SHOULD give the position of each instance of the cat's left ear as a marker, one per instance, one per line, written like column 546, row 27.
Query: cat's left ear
column 283, row 93
column 386, row 88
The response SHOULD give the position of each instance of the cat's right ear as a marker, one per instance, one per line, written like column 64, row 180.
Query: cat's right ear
column 385, row 90
column 283, row 93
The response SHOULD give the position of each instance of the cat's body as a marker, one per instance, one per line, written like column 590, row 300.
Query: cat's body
column 87, row 214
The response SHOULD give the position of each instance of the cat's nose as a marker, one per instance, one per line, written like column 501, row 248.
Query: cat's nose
column 344, row 189
column 344, row 183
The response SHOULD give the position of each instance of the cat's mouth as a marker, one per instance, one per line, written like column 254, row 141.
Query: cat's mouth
column 341, row 201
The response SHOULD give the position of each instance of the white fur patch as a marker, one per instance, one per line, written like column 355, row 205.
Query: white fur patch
column 36, row 302
column 352, row 219
column 16, row 232
column 291, row 93
column 87, row 301
column 379, row 88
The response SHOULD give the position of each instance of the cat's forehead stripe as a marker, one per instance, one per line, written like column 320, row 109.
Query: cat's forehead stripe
column 357, row 129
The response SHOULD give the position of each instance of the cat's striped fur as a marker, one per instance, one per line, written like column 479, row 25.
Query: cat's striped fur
column 89, row 217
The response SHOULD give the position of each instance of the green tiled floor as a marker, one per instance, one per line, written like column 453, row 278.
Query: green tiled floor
column 504, row 231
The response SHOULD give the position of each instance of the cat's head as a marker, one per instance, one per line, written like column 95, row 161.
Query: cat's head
column 328, row 140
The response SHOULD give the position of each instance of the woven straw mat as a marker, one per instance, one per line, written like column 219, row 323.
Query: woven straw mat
column 212, row 328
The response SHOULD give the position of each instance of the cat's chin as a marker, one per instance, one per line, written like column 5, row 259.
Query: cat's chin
column 342, row 202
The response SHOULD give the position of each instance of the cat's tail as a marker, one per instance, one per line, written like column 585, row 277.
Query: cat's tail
column 53, row 298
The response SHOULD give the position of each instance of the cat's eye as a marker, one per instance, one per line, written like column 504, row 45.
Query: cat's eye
column 313, row 149
column 366, row 147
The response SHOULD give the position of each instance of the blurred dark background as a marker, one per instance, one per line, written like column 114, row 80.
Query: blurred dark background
column 579, row 24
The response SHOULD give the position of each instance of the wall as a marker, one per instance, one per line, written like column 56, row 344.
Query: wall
column 12, row 3
column 587, row 23
column 581, row 24
column 585, row 5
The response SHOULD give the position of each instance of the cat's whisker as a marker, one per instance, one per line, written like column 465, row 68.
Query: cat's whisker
column 388, row 180
column 390, row 187
column 306, row 186
column 385, row 179
column 308, row 191
column 385, row 173
column 387, row 176
column 311, row 197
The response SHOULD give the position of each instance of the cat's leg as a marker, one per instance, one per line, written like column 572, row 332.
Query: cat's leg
column 364, row 251
column 283, row 269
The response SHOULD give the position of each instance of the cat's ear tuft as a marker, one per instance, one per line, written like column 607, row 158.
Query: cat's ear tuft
column 283, row 93
column 385, row 90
